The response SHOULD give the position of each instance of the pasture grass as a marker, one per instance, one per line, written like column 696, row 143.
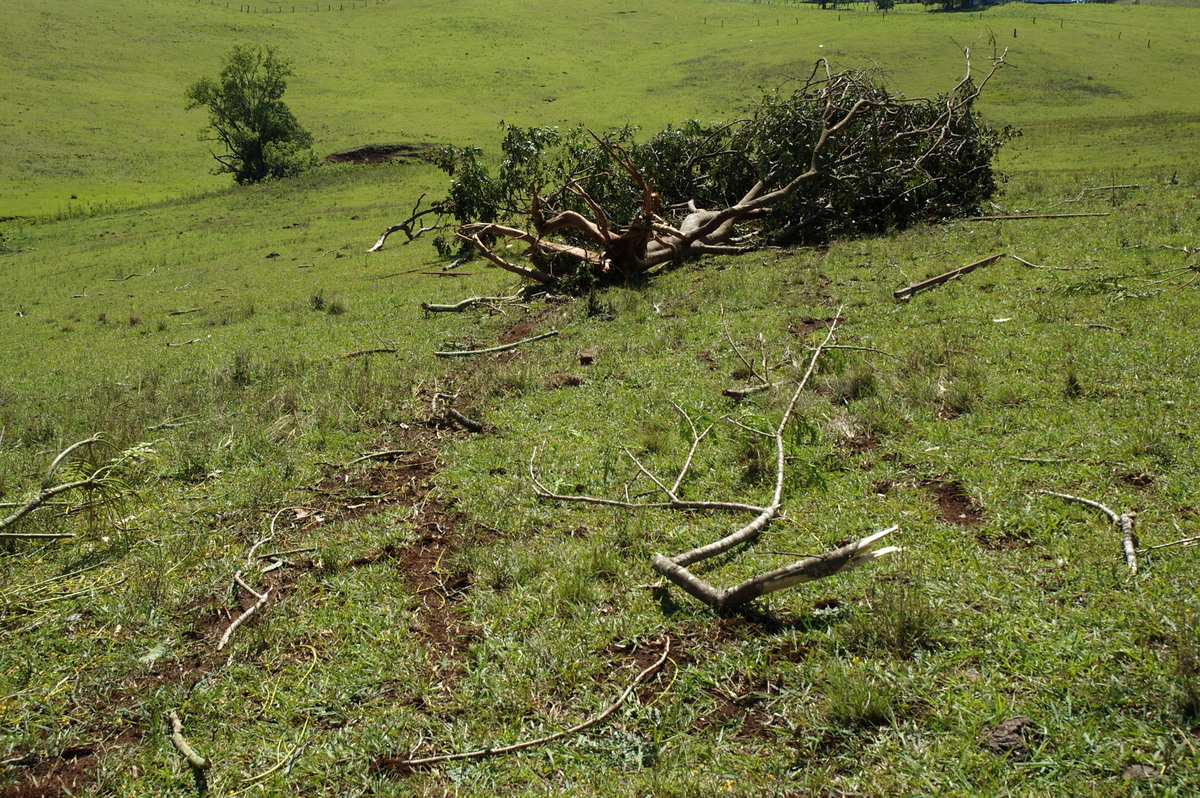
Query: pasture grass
column 427, row 602
column 83, row 131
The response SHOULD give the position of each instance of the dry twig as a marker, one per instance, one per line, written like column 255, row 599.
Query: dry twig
column 1124, row 522
column 238, row 621
column 408, row 764
column 490, row 350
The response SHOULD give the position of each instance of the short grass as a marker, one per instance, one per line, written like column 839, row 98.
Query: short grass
column 436, row 605
column 82, row 130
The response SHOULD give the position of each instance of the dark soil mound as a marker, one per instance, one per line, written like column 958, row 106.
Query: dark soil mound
column 379, row 153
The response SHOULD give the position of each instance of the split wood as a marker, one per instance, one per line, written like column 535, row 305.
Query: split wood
column 238, row 621
column 199, row 764
column 400, row 764
column 675, row 568
column 489, row 350
column 1124, row 522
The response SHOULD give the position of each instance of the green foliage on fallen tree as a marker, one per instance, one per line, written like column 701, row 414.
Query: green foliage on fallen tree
column 838, row 156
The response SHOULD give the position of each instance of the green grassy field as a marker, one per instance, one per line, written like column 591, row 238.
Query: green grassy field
column 83, row 128
column 424, row 601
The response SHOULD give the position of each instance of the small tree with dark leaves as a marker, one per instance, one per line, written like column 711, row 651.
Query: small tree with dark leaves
column 259, row 136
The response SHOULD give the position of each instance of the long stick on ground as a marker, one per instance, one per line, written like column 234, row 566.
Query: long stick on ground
column 489, row 350
column 405, row 764
column 1124, row 522
column 238, row 621
column 916, row 288
column 1021, row 216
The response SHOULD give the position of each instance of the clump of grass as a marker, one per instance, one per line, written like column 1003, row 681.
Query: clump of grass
column 858, row 698
column 856, row 382
column 1185, row 648
column 899, row 619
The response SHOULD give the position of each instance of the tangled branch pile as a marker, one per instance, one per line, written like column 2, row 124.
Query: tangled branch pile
column 838, row 156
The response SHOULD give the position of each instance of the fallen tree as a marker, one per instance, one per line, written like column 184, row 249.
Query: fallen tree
column 840, row 155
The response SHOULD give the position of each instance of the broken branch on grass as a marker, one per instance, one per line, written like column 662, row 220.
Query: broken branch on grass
column 472, row 301
column 1182, row 542
column 238, row 621
column 49, row 490
column 199, row 764
column 277, row 554
column 466, row 422
column 675, row 568
column 384, row 350
column 916, row 288
column 193, row 341
column 490, row 350
column 1123, row 521
column 395, row 763
column 171, row 425
column 1022, row 216
column 376, row 456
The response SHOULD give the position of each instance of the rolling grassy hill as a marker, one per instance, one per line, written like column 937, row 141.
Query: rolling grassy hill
column 422, row 599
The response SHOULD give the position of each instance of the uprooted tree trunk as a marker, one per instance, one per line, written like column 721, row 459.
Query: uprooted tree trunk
column 838, row 156
column 675, row 568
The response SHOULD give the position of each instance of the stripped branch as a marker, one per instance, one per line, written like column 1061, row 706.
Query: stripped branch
column 404, row 765
column 470, row 302
column 1123, row 521
column 198, row 764
column 1023, row 216
column 490, row 350
column 238, row 621
column 675, row 568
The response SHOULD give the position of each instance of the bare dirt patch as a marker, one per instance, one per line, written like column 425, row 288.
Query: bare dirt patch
column 1013, row 738
column 381, row 153
column 403, row 477
column 954, row 504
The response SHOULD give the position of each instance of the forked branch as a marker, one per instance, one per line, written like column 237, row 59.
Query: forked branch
column 1123, row 522
column 99, row 484
column 675, row 568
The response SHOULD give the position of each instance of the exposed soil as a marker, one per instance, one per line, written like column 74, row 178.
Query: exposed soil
column 425, row 561
column 861, row 443
column 954, row 505
column 803, row 327
column 564, row 380
column 381, row 153
column 744, row 706
column 346, row 492
column 69, row 772
column 1011, row 738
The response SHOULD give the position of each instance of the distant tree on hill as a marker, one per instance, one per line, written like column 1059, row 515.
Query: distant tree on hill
column 258, row 133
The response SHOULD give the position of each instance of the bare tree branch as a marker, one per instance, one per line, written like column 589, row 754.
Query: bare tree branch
column 408, row 764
